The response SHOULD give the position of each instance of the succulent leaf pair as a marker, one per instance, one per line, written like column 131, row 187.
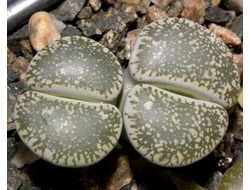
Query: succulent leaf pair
column 179, row 82
column 69, row 118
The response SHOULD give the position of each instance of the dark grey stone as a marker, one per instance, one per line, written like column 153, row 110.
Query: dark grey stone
column 27, row 50
column 14, row 178
column 237, row 26
column 11, row 148
column 214, row 181
column 114, row 40
column 68, row 10
column 71, row 31
column 102, row 23
column 18, row 87
column 12, row 75
column 218, row 15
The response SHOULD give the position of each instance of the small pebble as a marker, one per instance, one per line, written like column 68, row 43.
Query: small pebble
column 240, row 98
column 175, row 9
column 215, row 2
column 214, row 181
column 42, row 30
column 218, row 15
column 26, row 49
column 21, row 65
column 228, row 37
column 85, row 13
column 156, row 13
column 143, row 6
column 71, row 31
column 130, row 41
column 11, row 101
column 194, row 10
column 236, row 5
column 12, row 75
column 95, row 4
column 68, row 10
column 237, row 26
column 130, row 2
column 11, row 57
column 119, row 173
column 142, row 22
column 238, row 58
column 162, row 3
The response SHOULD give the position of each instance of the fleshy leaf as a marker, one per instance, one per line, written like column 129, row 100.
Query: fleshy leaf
column 169, row 129
column 66, row 132
column 76, row 67
column 184, row 57
column 233, row 178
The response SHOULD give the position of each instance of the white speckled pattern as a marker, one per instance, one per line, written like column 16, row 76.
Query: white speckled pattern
column 66, row 132
column 56, row 119
column 180, row 55
column 169, row 129
column 76, row 67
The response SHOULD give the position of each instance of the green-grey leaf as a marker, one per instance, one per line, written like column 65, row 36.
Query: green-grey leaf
column 66, row 132
column 182, row 56
column 76, row 67
column 169, row 129
column 233, row 178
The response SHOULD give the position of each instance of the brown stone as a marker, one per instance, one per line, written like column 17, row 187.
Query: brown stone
column 194, row 10
column 175, row 9
column 119, row 173
column 42, row 30
column 21, row 65
column 228, row 36
column 156, row 13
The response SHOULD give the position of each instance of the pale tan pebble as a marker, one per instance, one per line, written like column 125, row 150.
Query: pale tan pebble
column 140, row 5
column 130, row 41
column 130, row 2
column 215, row 2
column 238, row 58
column 42, row 30
column 21, row 65
column 11, row 57
column 240, row 98
column 95, row 4
column 228, row 36
column 143, row 6
column 155, row 13
column 85, row 13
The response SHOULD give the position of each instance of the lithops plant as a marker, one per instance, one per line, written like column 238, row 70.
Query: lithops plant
column 179, row 82
column 233, row 178
column 69, row 118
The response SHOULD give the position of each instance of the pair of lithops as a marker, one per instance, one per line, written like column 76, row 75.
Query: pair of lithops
column 172, row 98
